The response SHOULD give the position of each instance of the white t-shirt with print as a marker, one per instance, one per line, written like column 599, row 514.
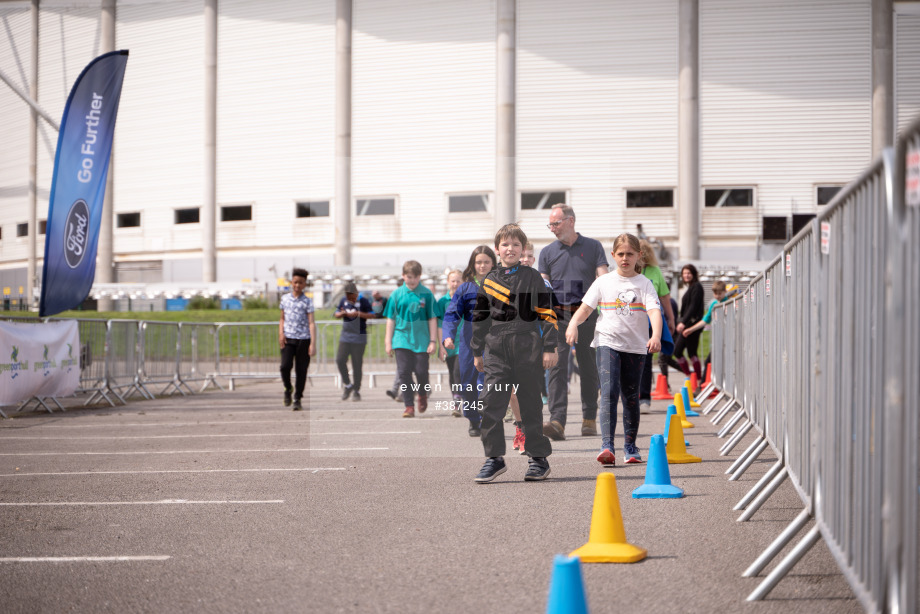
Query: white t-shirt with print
column 624, row 303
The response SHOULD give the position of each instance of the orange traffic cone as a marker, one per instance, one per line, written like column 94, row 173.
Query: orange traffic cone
column 708, row 379
column 681, row 412
column 661, row 389
column 694, row 383
column 607, row 537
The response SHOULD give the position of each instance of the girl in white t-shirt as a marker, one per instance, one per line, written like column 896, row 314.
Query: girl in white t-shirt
column 627, row 302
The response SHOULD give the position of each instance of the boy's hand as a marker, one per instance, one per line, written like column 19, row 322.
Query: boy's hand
column 449, row 343
column 571, row 334
column 653, row 345
column 479, row 364
column 442, row 354
column 312, row 349
column 281, row 341
column 432, row 346
column 388, row 346
column 550, row 358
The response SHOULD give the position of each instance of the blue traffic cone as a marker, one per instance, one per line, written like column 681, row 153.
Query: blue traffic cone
column 685, row 393
column 657, row 475
column 566, row 587
column 672, row 411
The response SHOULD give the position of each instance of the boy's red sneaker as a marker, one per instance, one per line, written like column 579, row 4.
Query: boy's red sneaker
column 409, row 413
column 422, row 403
column 516, row 444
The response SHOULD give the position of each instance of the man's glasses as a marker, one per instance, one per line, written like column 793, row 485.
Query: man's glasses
column 553, row 225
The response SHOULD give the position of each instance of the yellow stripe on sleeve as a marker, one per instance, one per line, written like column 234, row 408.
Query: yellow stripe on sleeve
column 500, row 297
column 498, row 287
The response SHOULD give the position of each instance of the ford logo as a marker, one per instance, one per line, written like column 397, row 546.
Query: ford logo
column 76, row 228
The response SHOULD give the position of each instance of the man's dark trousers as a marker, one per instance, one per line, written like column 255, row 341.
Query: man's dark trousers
column 587, row 369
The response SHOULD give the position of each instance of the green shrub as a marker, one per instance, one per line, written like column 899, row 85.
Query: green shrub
column 203, row 302
column 254, row 302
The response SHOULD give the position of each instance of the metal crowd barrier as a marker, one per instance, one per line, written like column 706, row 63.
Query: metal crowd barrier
column 819, row 357
column 124, row 358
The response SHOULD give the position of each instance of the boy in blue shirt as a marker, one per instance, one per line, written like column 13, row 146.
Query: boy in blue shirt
column 354, row 311
column 411, row 334
column 296, row 329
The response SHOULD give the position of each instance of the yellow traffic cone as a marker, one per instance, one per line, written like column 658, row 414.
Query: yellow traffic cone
column 679, row 404
column 676, row 449
column 607, row 538
column 689, row 386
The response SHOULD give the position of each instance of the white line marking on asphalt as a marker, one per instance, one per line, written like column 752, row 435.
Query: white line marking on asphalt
column 160, row 502
column 310, row 469
column 221, row 423
column 136, row 453
column 79, row 559
column 116, row 437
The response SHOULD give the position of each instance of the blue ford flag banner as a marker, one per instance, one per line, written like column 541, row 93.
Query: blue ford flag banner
column 78, row 184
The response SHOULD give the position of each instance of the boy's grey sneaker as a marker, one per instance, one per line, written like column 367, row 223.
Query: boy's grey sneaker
column 287, row 396
column 356, row 396
column 494, row 467
column 347, row 392
column 645, row 406
column 537, row 470
column 631, row 454
column 297, row 406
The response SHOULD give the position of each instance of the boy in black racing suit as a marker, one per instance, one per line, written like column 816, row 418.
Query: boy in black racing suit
column 512, row 302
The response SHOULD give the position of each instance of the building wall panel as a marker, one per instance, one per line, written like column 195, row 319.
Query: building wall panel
column 424, row 115
column 597, row 107
column 785, row 103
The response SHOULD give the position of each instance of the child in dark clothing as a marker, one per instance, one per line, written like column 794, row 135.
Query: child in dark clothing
column 508, row 348
column 354, row 311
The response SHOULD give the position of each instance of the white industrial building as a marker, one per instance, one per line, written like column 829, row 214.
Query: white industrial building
column 351, row 135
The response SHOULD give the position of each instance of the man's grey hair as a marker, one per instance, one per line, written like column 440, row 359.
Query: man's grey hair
column 567, row 211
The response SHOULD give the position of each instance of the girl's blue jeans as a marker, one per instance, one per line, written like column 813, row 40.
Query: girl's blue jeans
column 620, row 373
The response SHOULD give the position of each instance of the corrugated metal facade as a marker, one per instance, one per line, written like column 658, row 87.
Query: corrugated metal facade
column 276, row 119
column 906, row 63
column 597, row 109
column 423, row 117
column 159, row 138
column 785, row 104
column 14, row 154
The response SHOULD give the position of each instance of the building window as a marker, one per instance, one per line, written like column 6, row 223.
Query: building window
column 128, row 220
column 22, row 230
column 375, row 206
column 800, row 221
column 466, row 203
column 826, row 193
column 236, row 213
column 187, row 216
column 649, row 198
column 729, row 197
column 42, row 226
column 775, row 228
column 313, row 208
column 542, row 200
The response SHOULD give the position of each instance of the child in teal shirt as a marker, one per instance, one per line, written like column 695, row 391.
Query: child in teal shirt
column 410, row 336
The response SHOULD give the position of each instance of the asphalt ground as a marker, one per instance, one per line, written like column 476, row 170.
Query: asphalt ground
column 228, row 502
